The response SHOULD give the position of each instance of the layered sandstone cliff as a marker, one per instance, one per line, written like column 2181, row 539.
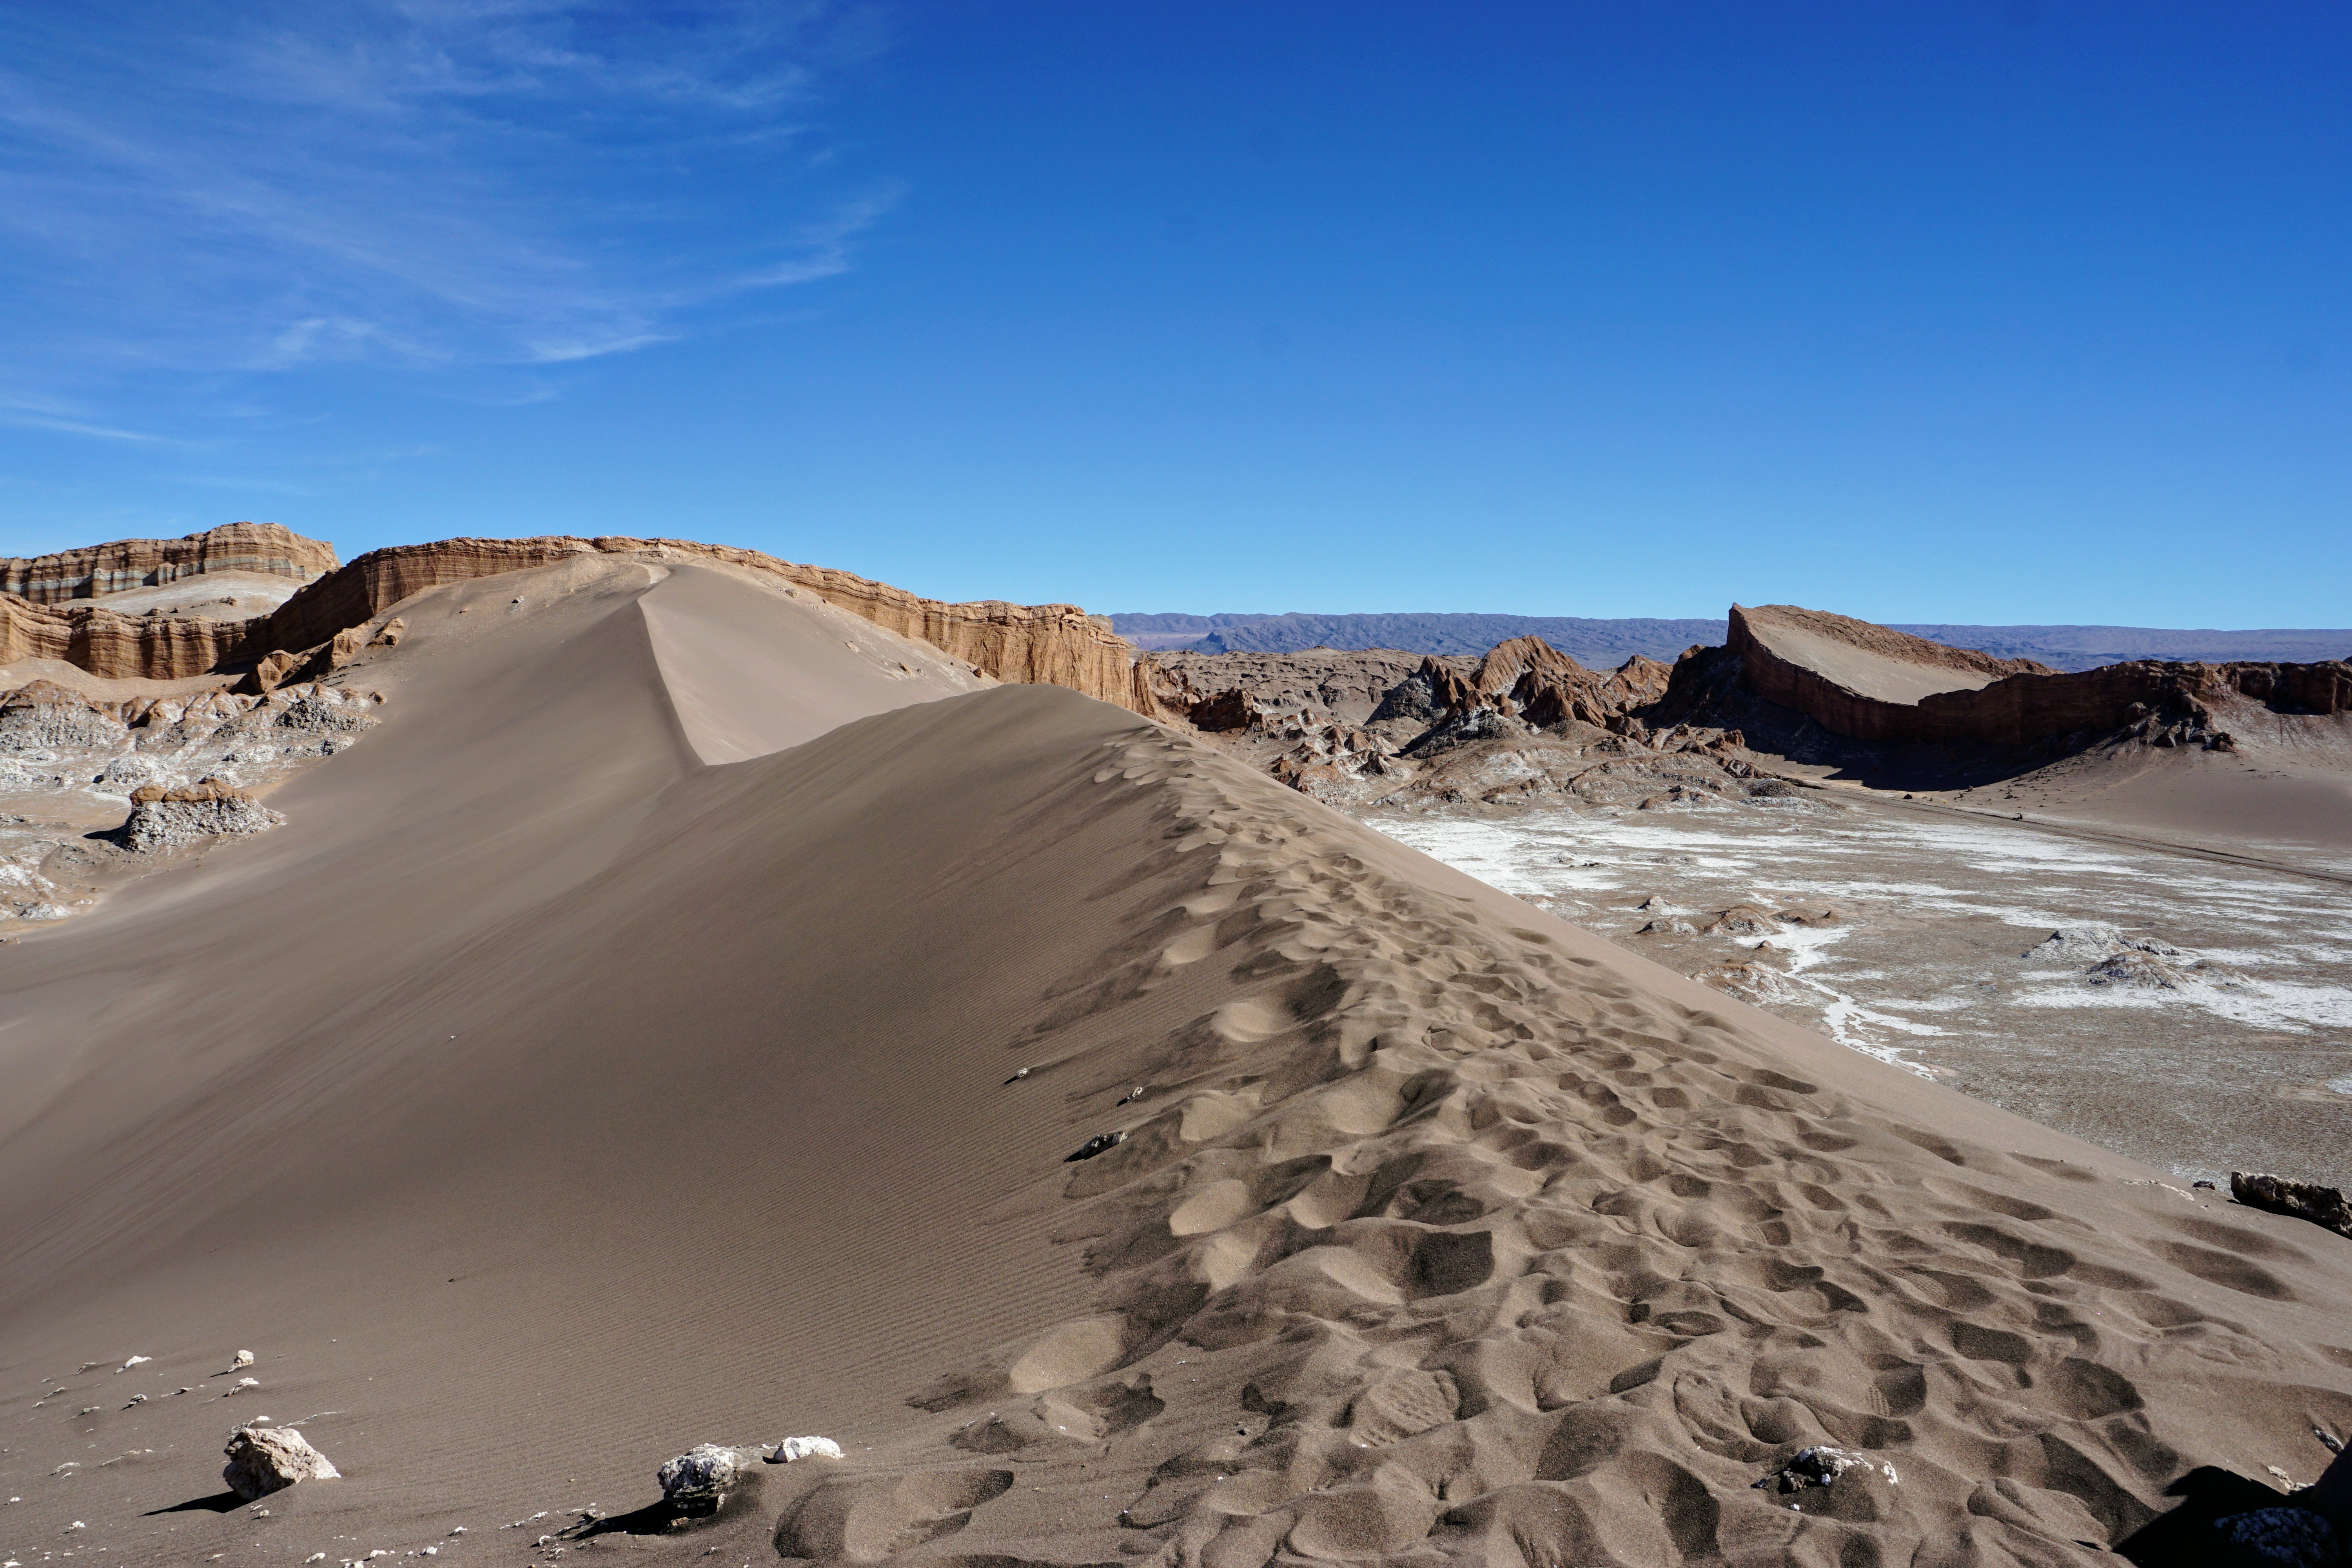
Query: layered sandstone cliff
column 1871, row 683
column 156, row 646
column 100, row 569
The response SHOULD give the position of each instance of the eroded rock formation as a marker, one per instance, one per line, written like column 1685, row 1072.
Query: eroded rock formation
column 155, row 647
column 166, row 819
column 98, row 569
column 1871, row 683
column 1522, row 723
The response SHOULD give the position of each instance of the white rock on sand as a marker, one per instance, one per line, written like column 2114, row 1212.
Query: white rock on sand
column 792, row 1449
column 264, row 1460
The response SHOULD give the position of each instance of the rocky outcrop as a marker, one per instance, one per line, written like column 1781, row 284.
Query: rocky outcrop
column 1821, row 1467
column 1871, row 683
column 2301, row 1200
column 1035, row 645
column 1546, row 698
column 1526, row 680
column 1428, row 694
column 699, row 1481
column 98, row 569
column 1057, row 644
column 165, row 819
column 265, row 1459
column 43, row 716
column 1346, row 687
column 1232, row 709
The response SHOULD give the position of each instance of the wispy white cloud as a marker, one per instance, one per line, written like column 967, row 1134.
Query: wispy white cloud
column 243, row 483
column 45, row 414
column 462, row 188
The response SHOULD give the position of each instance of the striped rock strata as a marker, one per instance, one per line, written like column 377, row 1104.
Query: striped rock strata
column 98, row 569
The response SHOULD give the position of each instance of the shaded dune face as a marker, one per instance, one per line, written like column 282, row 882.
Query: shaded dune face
column 571, row 1097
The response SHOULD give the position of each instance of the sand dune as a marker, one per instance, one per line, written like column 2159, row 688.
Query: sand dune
column 608, row 1057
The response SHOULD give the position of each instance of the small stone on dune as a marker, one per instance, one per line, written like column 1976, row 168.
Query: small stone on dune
column 242, row 1358
column 1820, row 1466
column 792, row 1449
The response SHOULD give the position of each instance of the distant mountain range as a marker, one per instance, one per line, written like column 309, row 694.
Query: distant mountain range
column 1603, row 643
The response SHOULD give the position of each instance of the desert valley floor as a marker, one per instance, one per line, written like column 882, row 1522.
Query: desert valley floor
column 673, row 1007
column 2188, row 1010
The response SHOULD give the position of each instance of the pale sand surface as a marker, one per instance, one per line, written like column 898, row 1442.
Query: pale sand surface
column 541, row 1100
column 105, row 688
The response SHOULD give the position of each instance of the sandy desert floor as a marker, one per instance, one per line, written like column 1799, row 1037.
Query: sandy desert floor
column 619, row 1050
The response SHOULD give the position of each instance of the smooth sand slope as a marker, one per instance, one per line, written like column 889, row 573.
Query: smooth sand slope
column 544, row 1100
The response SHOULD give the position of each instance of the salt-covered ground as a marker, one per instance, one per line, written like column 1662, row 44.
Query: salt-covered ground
column 2190, row 1012
column 68, row 770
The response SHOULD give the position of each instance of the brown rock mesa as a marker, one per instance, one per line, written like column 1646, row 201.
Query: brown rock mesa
column 1870, row 683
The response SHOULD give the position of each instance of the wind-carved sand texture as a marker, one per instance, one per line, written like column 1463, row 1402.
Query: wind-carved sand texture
column 1492, row 1239
column 628, row 1036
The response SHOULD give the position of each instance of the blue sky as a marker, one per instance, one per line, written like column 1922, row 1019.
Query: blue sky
column 2014, row 311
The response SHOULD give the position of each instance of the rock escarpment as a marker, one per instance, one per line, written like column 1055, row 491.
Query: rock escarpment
column 320, row 627
column 1056, row 645
column 104, row 642
column 1870, row 683
column 100, row 569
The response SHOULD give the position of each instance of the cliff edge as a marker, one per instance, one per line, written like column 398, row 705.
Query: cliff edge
column 1871, row 683
column 98, row 570
column 50, row 613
